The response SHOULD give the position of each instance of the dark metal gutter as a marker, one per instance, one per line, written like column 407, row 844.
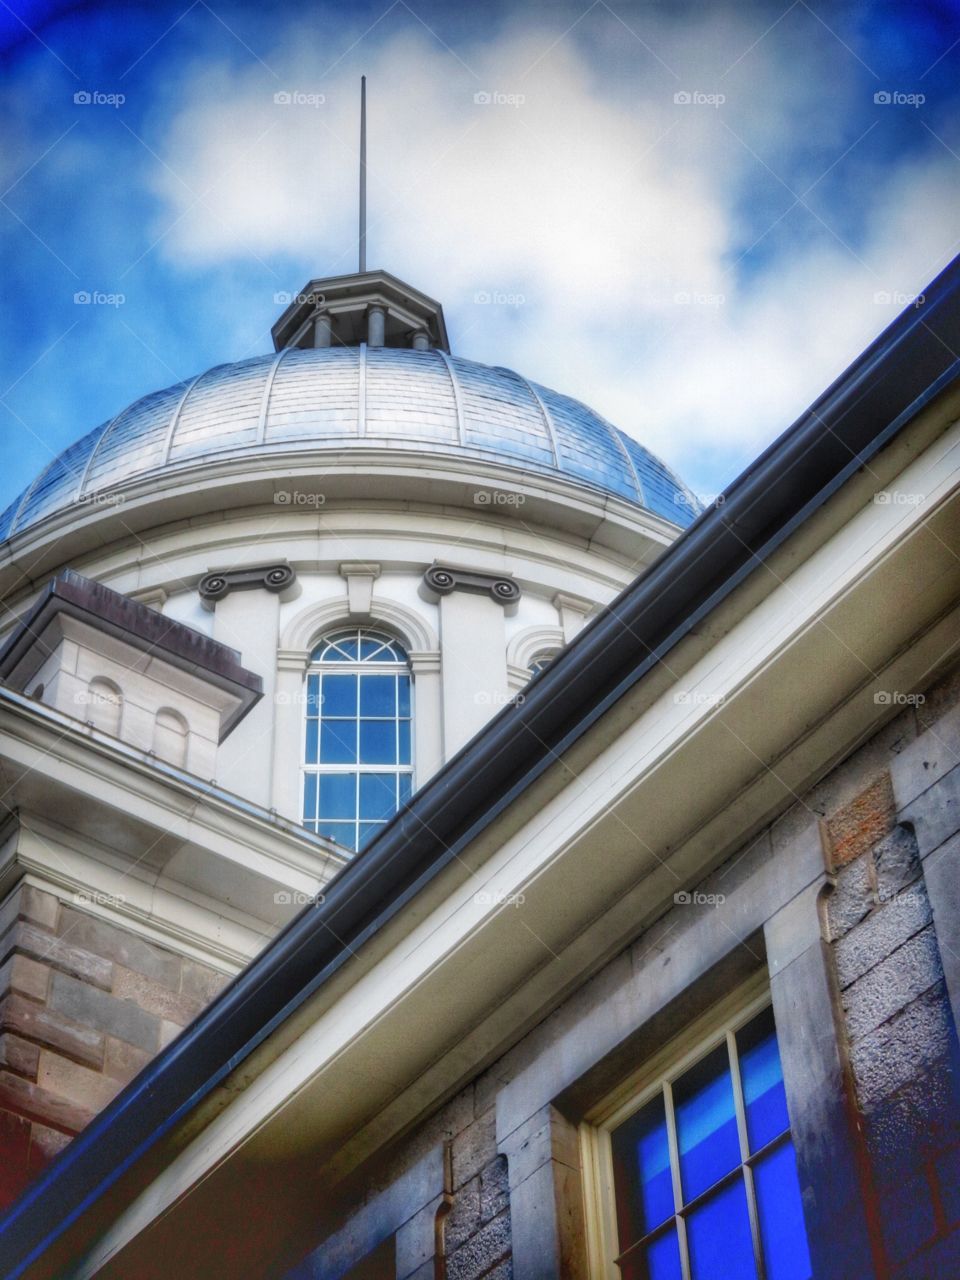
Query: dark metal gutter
column 909, row 364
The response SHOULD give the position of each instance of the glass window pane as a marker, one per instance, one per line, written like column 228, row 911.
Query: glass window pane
column 641, row 1168
column 782, row 1231
column 309, row 796
column 378, row 742
column 658, row 1261
column 404, row 746
column 406, row 787
column 339, row 695
column 338, row 795
column 403, row 687
column 378, row 795
column 718, row 1237
column 373, row 646
column 706, row 1123
column 367, row 832
column 344, row 833
column 378, row 696
column 762, row 1078
column 310, row 744
column 338, row 741
column 313, row 695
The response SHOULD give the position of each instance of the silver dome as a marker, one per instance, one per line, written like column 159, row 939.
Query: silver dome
column 360, row 397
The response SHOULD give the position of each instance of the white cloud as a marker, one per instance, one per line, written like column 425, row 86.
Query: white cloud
column 599, row 203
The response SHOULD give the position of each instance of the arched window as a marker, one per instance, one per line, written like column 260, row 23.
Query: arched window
column 357, row 752
column 540, row 661
column 104, row 705
column 170, row 737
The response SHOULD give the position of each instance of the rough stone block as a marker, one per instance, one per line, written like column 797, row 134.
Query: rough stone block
column 45, row 1145
column 940, row 698
column 858, row 826
column 40, row 907
column 94, row 1008
column 45, row 1026
column 66, row 1079
column 19, row 1055
column 463, row 1220
column 25, row 1098
column 494, row 1189
column 893, row 984
column 103, row 939
column 880, row 933
column 851, row 899
column 59, row 954
column 200, row 983
column 886, row 1059
column 474, row 1148
column 935, row 815
column 475, row 1258
column 22, row 974
column 122, row 1061
column 897, row 861
column 153, row 996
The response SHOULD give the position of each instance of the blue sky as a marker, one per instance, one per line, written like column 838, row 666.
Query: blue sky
column 690, row 216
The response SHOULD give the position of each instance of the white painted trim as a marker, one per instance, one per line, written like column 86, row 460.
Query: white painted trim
column 301, row 634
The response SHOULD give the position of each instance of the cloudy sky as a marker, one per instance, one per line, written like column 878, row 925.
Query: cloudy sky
column 691, row 216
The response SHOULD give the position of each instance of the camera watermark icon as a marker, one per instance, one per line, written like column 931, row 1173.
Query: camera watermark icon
column 497, row 898
column 886, row 297
column 94, row 98
column 96, row 298
column 497, row 498
column 694, row 898
column 894, row 698
column 96, row 898
column 896, row 498
column 297, row 98
column 696, row 698
column 297, row 898
column 497, row 698
column 297, row 498
column 494, row 98
column 897, row 98
column 697, row 98
column 687, row 299
column 498, row 298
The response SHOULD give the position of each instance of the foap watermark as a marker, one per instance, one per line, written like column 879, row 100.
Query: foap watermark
column 297, row 498
column 498, row 298
column 686, row 298
column 497, row 498
column 96, row 898
column 497, row 698
column 894, row 297
column 897, row 498
column 697, row 98
column 913, row 897
column 898, row 98
column 297, row 898
column 498, row 898
column 298, row 98
column 283, row 298
column 694, row 898
column 697, row 698
column 100, row 500
column 495, row 98
column 97, row 298
column 894, row 698
column 95, row 98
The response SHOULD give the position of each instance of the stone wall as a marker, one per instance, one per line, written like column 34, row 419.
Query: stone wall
column 84, row 1005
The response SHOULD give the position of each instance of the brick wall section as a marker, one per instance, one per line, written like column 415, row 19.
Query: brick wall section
column 901, row 1041
column 83, row 1006
column 476, row 1231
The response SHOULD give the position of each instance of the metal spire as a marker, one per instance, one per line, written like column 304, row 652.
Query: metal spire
column 363, row 173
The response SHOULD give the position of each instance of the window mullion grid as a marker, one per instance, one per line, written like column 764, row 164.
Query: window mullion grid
column 674, row 1149
column 741, row 1112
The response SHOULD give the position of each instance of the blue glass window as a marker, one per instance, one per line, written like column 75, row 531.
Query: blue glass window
column 704, row 1173
column 358, row 741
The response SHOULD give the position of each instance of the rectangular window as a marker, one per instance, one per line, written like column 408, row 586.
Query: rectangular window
column 692, row 1168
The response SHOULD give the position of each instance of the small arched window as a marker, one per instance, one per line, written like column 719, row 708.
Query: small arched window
column 170, row 732
column 104, row 705
column 540, row 661
column 358, row 751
